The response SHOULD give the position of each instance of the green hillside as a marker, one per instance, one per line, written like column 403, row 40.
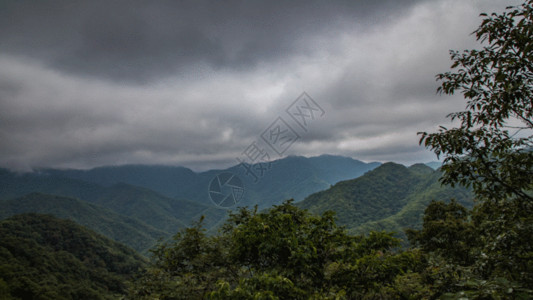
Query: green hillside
column 167, row 198
column 410, row 216
column 42, row 257
column 390, row 197
column 160, row 212
column 129, row 231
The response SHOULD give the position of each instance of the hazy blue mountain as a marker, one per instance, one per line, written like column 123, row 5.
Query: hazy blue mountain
column 15, row 185
column 291, row 177
column 434, row 164
column 170, row 181
column 129, row 231
column 390, row 197
column 296, row 177
column 168, row 198
column 334, row 168
column 163, row 213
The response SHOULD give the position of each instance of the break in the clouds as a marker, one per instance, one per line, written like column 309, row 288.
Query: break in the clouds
column 89, row 83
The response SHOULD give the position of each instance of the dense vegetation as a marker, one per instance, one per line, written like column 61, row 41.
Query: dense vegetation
column 284, row 253
column 288, row 253
column 164, row 213
column 121, row 211
column 42, row 257
column 391, row 197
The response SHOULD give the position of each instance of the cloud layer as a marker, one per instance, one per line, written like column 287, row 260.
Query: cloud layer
column 84, row 84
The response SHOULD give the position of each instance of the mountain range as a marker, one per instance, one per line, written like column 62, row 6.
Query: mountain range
column 291, row 177
column 138, row 205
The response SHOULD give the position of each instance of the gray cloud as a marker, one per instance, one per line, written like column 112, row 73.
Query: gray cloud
column 90, row 83
column 143, row 40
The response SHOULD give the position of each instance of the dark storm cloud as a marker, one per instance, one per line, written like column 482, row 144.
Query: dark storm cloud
column 90, row 83
column 143, row 40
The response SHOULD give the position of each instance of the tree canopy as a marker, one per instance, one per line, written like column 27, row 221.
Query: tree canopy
column 491, row 149
column 283, row 253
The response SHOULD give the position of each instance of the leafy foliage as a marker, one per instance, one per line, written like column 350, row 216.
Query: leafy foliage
column 474, row 255
column 283, row 253
column 497, row 83
column 487, row 253
column 446, row 231
column 288, row 253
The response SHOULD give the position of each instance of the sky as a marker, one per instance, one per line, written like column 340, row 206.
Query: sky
column 203, row 83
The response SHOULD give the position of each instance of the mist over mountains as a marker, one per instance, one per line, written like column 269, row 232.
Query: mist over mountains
column 291, row 177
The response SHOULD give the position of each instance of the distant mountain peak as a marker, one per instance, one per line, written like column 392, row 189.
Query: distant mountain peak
column 421, row 169
column 390, row 166
column 435, row 165
column 389, row 197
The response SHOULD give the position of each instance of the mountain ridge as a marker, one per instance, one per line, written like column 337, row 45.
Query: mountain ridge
column 127, row 230
column 292, row 176
column 390, row 197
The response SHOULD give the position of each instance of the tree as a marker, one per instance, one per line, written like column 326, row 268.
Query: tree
column 282, row 253
column 491, row 149
column 446, row 231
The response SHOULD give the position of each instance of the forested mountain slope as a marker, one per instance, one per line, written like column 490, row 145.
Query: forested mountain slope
column 129, row 231
column 389, row 197
column 42, row 257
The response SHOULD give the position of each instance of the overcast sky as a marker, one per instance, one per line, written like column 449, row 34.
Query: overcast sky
column 194, row 83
